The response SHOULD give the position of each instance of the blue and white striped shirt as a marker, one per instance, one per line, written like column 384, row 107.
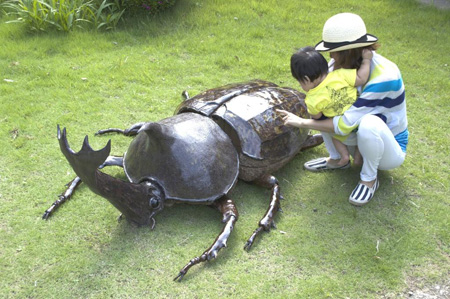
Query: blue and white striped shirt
column 383, row 96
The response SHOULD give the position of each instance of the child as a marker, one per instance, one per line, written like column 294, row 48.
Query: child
column 329, row 94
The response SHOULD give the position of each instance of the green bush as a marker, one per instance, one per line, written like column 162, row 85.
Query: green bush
column 106, row 14
column 64, row 15
column 148, row 6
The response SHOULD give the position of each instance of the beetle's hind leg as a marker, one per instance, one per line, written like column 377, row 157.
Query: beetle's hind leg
column 72, row 185
column 131, row 131
column 266, row 223
column 230, row 215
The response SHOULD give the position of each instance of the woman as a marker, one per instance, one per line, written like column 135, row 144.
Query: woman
column 377, row 120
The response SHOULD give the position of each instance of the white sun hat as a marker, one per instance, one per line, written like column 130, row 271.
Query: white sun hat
column 344, row 31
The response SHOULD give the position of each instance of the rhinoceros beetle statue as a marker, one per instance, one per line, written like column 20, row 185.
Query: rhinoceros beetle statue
column 197, row 156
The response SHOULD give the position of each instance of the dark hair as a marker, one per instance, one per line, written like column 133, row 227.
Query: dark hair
column 308, row 62
column 352, row 58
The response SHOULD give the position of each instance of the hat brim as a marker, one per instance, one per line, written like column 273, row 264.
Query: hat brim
column 323, row 46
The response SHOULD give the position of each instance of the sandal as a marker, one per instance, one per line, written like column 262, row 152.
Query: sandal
column 362, row 194
column 322, row 164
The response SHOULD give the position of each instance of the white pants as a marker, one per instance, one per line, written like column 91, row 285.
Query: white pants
column 376, row 144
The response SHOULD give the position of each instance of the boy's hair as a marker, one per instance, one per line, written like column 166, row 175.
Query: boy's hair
column 308, row 62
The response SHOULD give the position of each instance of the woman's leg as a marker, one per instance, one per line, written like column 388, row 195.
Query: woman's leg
column 379, row 150
column 357, row 158
column 378, row 147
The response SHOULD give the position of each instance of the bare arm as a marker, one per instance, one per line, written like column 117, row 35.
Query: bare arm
column 362, row 75
column 293, row 120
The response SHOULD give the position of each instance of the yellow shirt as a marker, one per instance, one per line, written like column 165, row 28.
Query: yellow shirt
column 333, row 95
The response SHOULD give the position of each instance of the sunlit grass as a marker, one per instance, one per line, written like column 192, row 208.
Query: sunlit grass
column 322, row 247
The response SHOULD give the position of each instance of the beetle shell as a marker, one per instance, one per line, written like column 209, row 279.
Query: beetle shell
column 188, row 155
column 247, row 113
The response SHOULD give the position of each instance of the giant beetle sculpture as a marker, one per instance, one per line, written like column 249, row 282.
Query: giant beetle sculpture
column 197, row 156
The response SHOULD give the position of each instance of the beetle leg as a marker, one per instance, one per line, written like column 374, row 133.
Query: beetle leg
column 131, row 131
column 63, row 197
column 185, row 95
column 72, row 185
column 230, row 215
column 266, row 223
column 312, row 141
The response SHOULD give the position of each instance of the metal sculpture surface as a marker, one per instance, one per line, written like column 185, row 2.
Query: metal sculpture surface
column 197, row 156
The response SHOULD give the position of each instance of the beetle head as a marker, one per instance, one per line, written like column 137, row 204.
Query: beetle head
column 156, row 197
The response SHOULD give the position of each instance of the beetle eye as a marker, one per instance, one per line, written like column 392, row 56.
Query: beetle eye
column 154, row 202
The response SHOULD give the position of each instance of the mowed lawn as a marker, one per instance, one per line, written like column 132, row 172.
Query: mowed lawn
column 322, row 247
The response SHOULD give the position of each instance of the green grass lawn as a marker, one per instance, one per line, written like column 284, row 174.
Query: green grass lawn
column 322, row 247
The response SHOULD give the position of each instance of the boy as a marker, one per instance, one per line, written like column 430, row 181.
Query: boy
column 329, row 94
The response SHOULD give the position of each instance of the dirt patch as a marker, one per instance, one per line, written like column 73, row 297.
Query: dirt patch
column 438, row 291
column 440, row 4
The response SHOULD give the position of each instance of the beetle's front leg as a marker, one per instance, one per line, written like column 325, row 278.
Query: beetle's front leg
column 72, row 186
column 230, row 215
column 266, row 223
column 131, row 131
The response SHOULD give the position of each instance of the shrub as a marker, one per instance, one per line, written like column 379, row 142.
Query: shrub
column 64, row 15
column 106, row 14
column 148, row 6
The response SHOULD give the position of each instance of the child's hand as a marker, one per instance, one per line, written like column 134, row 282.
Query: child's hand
column 289, row 118
column 367, row 54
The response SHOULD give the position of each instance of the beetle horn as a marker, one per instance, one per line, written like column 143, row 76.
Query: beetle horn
column 129, row 198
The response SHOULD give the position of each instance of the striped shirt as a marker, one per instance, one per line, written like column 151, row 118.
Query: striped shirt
column 383, row 96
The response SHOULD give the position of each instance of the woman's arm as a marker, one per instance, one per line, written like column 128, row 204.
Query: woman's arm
column 293, row 120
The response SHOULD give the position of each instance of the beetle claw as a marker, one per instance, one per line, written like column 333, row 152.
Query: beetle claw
column 250, row 240
column 46, row 215
column 153, row 222
column 248, row 245
column 179, row 277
